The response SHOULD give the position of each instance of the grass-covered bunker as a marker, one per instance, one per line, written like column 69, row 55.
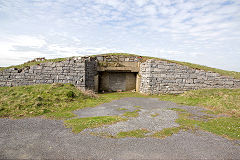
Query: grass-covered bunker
column 120, row 72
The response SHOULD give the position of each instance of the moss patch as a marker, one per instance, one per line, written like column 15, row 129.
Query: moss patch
column 122, row 109
column 132, row 114
column 137, row 107
column 166, row 132
column 154, row 114
column 224, row 126
column 177, row 109
column 139, row 133
column 79, row 124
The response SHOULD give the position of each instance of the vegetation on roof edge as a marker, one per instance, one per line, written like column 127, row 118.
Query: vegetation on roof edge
column 144, row 58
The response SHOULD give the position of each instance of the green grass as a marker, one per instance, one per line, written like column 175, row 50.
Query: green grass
column 79, row 124
column 122, row 109
column 166, row 132
column 205, row 68
column 154, row 114
column 132, row 114
column 225, row 101
column 137, row 106
column 36, row 100
column 27, row 64
column 139, row 133
column 116, row 54
column 55, row 101
column 177, row 109
column 228, row 127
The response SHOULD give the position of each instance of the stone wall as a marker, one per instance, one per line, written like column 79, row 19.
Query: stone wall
column 153, row 76
column 118, row 58
column 77, row 71
column 163, row 77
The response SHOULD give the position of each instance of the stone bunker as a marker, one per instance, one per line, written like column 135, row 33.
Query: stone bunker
column 110, row 73
column 117, row 73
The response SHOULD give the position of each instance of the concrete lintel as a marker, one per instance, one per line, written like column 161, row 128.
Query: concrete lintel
column 126, row 69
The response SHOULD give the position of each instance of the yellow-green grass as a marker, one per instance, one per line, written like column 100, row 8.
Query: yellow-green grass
column 79, row 124
column 122, row 109
column 139, row 133
column 50, row 100
column 137, row 106
column 166, row 132
column 27, row 64
column 132, row 114
column 177, row 109
column 154, row 114
column 59, row 100
column 225, row 101
column 228, row 127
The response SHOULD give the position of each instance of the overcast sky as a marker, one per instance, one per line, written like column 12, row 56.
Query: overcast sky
column 205, row 32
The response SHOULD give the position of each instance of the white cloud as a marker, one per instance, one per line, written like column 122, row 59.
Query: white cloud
column 172, row 28
column 150, row 10
column 140, row 3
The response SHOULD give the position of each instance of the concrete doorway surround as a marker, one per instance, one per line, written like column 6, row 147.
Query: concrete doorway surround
column 117, row 81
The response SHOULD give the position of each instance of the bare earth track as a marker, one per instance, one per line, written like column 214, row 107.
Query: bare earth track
column 36, row 138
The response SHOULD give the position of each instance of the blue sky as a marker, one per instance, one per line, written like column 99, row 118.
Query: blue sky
column 205, row 32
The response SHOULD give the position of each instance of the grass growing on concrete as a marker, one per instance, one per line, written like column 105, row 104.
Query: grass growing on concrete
column 225, row 101
column 177, row 109
column 122, row 109
column 139, row 133
column 79, row 124
column 228, row 127
column 225, row 126
column 154, row 114
column 132, row 114
column 137, row 106
column 166, row 132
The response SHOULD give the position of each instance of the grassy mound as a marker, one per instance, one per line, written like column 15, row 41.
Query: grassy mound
column 144, row 58
column 36, row 100
column 27, row 64
column 51, row 100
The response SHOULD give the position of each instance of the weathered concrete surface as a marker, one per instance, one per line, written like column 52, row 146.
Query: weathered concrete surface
column 37, row 138
column 115, row 81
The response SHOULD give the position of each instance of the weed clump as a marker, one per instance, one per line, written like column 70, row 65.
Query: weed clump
column 71, row 94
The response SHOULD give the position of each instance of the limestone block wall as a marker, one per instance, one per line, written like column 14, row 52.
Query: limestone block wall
column 164, row 77
column 76, row 71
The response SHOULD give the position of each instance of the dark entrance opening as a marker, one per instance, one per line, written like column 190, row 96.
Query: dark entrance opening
column 117, row 81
